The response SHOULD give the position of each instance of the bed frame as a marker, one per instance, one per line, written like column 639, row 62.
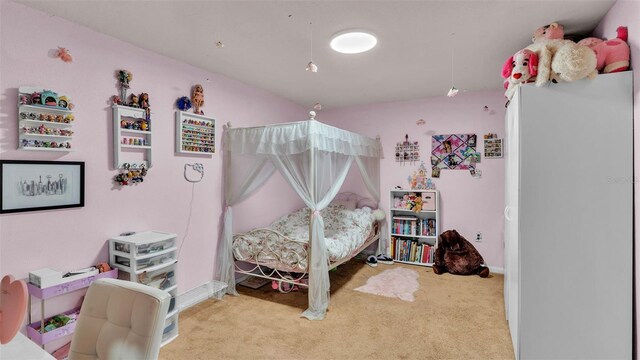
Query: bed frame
column 282, row 272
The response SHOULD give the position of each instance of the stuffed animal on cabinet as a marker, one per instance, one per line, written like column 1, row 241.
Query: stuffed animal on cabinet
column 611, row 55
column 397, row 203
column 458, row 256
column 559, row 59
column 520, row 68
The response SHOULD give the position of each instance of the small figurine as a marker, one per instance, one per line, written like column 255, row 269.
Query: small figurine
column 35, row 98
column 49, row 98
column 63, row 102
column 116, row 100
column 143, row 100
column 183, row 103
column 124, row 77
column 64, row 55
column 134, row 101
column 24, row 99
column 197, row 98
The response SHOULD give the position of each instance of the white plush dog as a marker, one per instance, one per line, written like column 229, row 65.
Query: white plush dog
column 520, row 68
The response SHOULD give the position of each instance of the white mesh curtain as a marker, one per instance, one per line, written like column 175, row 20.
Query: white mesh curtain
column 314, row 159
column 370, row 172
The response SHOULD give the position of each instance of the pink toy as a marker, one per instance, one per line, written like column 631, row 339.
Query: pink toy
column 13, row 306
column 520, row 68
column 611, row 55
column 549, row 32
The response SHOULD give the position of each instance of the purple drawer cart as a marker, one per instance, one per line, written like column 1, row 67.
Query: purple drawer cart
column 53, row 291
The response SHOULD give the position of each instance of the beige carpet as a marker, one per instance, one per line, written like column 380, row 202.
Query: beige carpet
column 452, row 317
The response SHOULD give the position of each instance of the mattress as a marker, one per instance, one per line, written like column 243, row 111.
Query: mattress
column 345, row 231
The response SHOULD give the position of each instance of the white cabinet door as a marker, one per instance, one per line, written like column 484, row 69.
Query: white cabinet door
column 575, row 219
column 511, row 219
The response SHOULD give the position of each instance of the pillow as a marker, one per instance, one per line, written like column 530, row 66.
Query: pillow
column 368, row 203
column 348, row 204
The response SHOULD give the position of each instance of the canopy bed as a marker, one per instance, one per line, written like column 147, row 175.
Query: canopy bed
column 314, row 159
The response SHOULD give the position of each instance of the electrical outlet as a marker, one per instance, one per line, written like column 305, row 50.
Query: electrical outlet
column 478, row 236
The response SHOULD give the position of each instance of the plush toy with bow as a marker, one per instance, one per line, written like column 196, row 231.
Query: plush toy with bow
column 611, row 55
column 520, row 68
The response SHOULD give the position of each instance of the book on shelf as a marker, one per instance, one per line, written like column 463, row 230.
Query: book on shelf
column 411, row 250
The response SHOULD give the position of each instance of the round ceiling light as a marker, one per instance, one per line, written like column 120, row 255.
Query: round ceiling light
column 353, row 42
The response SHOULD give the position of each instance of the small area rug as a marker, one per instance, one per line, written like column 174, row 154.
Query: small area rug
column 398, row 283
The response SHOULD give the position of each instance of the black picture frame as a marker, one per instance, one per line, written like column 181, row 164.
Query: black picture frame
column 22, row 187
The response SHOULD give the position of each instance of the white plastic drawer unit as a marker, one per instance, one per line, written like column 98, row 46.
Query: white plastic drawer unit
column 154, row 261
column 144, row 244
column 163, row 279
column 170, row 330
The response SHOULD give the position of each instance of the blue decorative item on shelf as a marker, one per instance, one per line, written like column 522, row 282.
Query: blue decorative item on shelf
column 184, row 103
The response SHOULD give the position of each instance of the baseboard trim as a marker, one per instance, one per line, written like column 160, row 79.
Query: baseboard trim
column 200, row 293
column 496, row 270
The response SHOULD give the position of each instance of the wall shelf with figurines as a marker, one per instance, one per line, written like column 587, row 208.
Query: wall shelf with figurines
column 131, row 133
column 45, row 120
column 131, row 136
column 195, row 134
column 407, row 151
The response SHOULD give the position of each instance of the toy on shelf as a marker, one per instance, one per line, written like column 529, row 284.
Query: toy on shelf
column 520, row 68
column 417, row 207
column 183, row 103
column 611, row 55
column 197, row 98
column 134, row 101
column 124, row 77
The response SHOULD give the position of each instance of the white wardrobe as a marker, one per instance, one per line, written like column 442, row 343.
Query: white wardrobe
column 569, row 219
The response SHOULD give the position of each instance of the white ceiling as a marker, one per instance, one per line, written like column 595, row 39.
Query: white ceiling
column 268, row 43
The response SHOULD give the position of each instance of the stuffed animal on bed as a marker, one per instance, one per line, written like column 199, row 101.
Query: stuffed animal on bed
column 458, row 256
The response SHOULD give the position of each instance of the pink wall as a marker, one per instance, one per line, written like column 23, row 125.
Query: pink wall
column 467, row 204
column 77, row 238
column 627, row 13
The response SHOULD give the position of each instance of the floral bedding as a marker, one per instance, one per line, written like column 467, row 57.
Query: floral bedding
column 344, row 230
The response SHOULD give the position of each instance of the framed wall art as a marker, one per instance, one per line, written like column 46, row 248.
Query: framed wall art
column 492, row 148
column 41, row 185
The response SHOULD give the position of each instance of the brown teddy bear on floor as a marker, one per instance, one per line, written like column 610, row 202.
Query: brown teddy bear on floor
column 458, row 256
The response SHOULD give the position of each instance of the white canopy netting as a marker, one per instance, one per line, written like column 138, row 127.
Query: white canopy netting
column 314, row 158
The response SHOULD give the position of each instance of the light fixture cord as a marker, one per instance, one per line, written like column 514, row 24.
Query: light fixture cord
column 452, row 46
column 311, row 26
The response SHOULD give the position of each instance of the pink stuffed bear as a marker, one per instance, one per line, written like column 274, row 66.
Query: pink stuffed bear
column 520, row 68
column 612, row 55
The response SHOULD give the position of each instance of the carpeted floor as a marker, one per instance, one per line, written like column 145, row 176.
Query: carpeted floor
column 452, row 317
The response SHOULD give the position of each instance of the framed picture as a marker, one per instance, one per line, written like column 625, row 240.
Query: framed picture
column 492, row 148
column 40, row 185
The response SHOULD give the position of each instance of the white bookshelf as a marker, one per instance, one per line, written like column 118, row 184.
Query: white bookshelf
column 409, row 229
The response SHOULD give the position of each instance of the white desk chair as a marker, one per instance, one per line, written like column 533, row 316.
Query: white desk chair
column 120, row 320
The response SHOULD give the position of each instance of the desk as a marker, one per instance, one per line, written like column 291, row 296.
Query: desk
column 22, row 348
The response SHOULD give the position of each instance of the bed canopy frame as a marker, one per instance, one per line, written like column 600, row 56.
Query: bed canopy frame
column 314, row 159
